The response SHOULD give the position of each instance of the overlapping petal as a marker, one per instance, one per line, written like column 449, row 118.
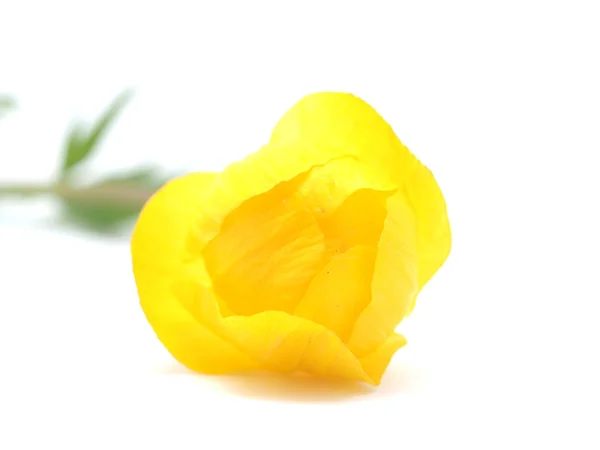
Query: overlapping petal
column 395, row 279
column 158, row 246
column 345, row 123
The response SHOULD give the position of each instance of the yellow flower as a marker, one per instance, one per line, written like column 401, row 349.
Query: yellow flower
column 305, row 256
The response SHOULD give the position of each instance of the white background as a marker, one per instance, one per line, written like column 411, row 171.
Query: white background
column 500, row 99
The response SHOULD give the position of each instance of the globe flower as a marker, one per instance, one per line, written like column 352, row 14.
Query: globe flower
column 303, row 257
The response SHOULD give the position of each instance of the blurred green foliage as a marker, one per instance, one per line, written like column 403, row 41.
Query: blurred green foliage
column 102, row 206
column 82, row 143
column 103, row 214
column 6, row 103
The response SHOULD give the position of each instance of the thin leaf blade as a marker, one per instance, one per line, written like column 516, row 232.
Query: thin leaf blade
column 76, row 148
column 81, row 145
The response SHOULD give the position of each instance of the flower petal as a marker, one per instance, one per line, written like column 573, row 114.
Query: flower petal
column 434, row 237
column 158, row 246
column 350, row 126
column 286, row 156
column 347, row 126
column 257, row 174
column 340, row 291
column 267, row 252
column 275, row 340
column 377, row 362
column 395, row 279
column 327, row 187
column 280, row 342
column 357, row 221
column 285, row 343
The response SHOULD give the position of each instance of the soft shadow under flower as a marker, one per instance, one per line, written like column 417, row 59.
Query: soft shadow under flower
column 307, row 389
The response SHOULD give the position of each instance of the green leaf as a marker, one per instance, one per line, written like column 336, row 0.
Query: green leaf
column 108, row 204
column 6, row 103
column 76, row 148
column 80, row 144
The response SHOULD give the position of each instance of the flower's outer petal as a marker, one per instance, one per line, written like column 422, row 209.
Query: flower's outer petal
column 285, row 343
column 157, row 251
column 433, row 233
column 280, row 342
column 275, row 340
column 350, row 126
column 395, row 279
column 327, row 187
column 340, row 291
column 377, row 362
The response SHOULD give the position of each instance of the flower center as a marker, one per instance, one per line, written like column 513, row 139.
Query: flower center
column 274, row 245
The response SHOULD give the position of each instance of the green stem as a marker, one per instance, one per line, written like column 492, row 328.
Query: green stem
column 120, row 194
column 26, row 190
